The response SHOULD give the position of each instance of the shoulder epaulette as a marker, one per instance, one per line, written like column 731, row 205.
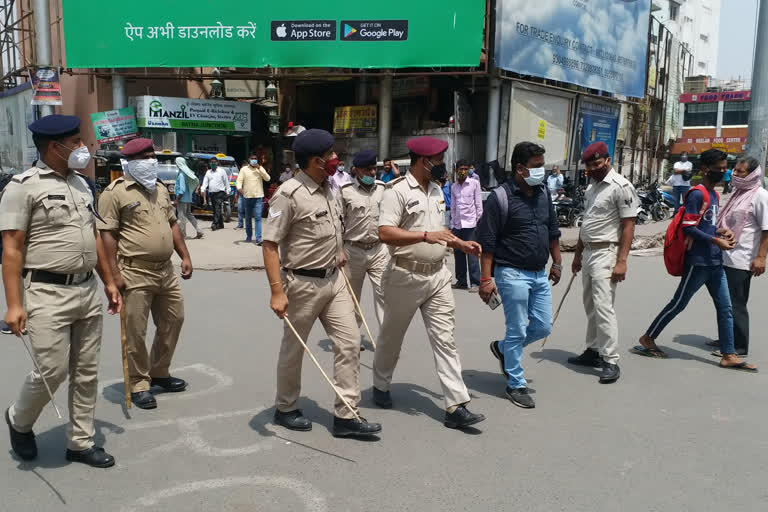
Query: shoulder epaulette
column 348, row 184
column 289, row 187
column 395, row 181
column 380, row 183
column 21, row 177
column 112, row 185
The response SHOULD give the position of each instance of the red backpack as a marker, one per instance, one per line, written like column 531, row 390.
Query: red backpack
column 674, row 241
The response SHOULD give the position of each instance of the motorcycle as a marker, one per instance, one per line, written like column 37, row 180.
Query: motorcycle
column 652, row 202
column 570, row 210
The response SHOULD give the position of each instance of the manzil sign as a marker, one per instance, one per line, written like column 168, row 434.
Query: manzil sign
column 302, row 33
column 191, row 114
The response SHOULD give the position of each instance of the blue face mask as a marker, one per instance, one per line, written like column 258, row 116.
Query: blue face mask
column 367, row 180
column 535, row 176
column 471, row 172
column 254, row 163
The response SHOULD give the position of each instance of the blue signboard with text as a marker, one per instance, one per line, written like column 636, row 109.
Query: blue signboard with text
column 598, row 122
column 601, row 44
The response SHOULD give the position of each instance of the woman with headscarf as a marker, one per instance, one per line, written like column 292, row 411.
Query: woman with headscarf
column 746, row 214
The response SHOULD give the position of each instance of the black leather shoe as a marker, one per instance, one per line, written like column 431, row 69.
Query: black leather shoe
column 498, row 354
column 520, row 397
column 95, row 456
column 23, row 443
column 589, row 357
column 293, row 420
column 610, row 373
column 353, row 428
column 143, row 400
column 461, row 418
column 170, row 384
column 382, row 398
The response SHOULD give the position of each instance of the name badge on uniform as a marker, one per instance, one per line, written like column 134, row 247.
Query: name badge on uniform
column 133, row 205
column 413, row 203
column 52, row 197
column 321, row 214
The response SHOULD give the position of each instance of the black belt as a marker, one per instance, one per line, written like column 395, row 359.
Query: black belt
column 321, row 273
column 43, row 276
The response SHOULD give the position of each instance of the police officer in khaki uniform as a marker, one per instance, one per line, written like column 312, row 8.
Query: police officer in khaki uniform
column 412, row 221
column 47, row 223
column 140, row 234
column 605, row 239
column 365, row 253
column 303, row 235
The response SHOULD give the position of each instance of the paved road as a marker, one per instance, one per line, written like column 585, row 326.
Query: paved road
column 673, row 435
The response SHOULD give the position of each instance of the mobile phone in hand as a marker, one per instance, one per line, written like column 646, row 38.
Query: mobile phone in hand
column 494, row 301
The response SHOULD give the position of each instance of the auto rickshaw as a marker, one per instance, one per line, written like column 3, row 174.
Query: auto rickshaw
column 229, row 164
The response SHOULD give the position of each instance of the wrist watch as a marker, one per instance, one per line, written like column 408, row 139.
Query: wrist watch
column 556, row 266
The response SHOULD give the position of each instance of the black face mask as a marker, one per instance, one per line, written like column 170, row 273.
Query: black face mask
column 438, row 172
column 716, row 176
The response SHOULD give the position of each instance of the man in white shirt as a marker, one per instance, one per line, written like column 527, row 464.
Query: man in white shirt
column 555, row 181
column 216, row 183
column 341, row 177
column 680, row 185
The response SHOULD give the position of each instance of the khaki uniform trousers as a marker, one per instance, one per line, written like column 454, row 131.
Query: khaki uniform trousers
column 310, row 298
column 599, row 297
column 374, row 263
column 404, row 293
column 64, row 323
column 157, row 291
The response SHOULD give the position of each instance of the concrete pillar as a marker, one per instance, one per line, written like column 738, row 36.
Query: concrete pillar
column 385, row 115
column 119, row 93
column 492, row 128
column 757, row 135
column 720, row 110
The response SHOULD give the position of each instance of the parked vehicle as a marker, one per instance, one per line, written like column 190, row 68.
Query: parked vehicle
column 570, row 210
column 653, row 203
column 229, row 164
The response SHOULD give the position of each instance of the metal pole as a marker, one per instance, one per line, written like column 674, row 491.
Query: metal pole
column 43, row 42
column 119, row 94
column 492, row 128
column 757, row 135
column 385, row 115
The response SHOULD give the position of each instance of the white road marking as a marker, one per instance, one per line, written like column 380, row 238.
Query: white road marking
column 312, row 497
column 222, row 381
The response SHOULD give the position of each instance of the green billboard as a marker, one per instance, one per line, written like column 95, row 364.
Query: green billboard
column 248, row 33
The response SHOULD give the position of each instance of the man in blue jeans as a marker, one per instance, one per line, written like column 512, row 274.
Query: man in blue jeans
column 521, row 244
column 250, row 185
column 703, row 266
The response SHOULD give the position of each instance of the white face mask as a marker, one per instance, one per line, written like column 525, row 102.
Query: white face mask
column 536, row 176
column 144, row 172
column 78, row 158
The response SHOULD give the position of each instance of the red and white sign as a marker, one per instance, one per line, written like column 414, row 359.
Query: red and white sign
column 714, row 97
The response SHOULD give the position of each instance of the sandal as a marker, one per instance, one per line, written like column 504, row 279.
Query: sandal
column 649, row 352
column 742, row 366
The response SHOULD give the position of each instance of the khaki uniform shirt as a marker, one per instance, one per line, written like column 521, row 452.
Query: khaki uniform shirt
column 141, row 219
column 305, row 221
column 360, row 208
column 251, row 181
column 56, row 213
column 405, row 205
column 606, row 203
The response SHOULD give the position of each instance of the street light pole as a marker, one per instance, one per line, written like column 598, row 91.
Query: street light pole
column 757, row 135
column 43, row 42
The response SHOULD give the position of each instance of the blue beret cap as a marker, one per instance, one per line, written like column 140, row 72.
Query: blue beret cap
column 313, row 142
column 136, row 146
column 595, row 150
column 427, row 146
column 56, row 125
column 365, row 158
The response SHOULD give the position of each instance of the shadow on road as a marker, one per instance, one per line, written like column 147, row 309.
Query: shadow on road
column 555, row 355
column 489, row 383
